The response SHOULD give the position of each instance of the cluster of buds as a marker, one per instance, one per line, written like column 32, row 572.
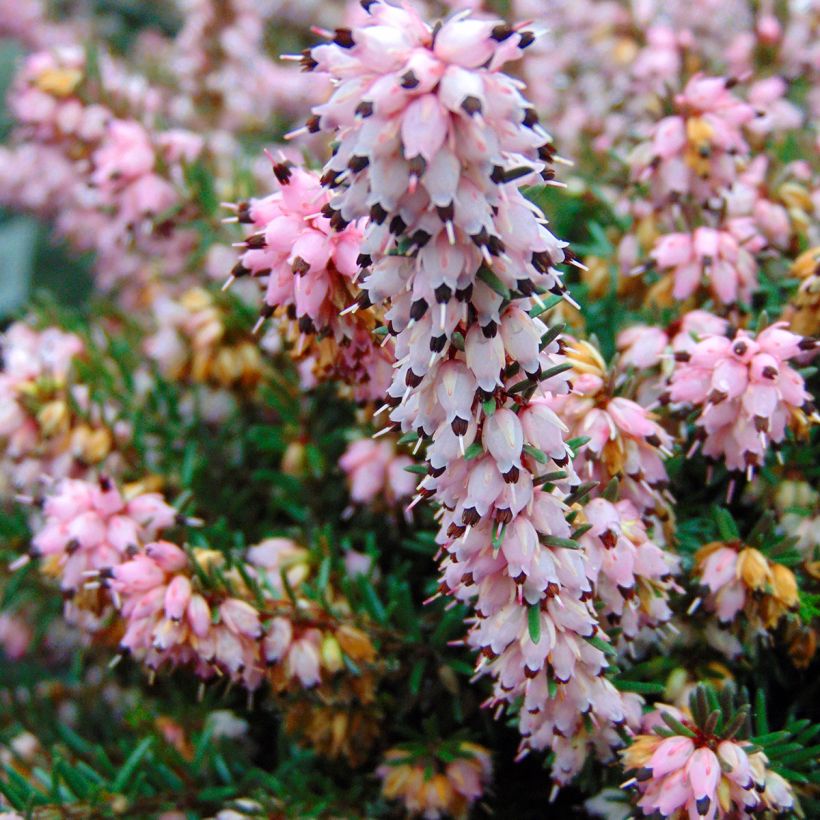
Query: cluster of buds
column 715, row 210
column 746, row 391
column 698, row 765
column 623, row 439
column 443, row 782
column 434, row 142
column 194, row 342
column 307, row 263
column 715, row 256
column 170, row 617
column 738, row 578
column 375, row 470
column 246, row 622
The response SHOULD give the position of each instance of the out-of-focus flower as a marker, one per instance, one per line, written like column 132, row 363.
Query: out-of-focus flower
column 430, row 787
column 747, row 393
column 710, row 255
column 194, row 341
column 375, row 470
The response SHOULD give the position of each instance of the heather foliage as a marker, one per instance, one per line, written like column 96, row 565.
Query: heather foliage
column 411, row 412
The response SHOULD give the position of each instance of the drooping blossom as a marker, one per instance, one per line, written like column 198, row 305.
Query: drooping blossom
column 632, row 574
column 169, row 618
column 375, row 470
column 747, row 392
column 434, row 788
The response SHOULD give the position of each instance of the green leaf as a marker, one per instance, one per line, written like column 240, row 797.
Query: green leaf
column 539, row 455
column 534, row 622
column 418, row 469
column 492, row 281
column 556, row 541
column 725, row 523
column 604, row 646
column 130, row 766
column 473, row 451
column 552, row 334
column 641, row 687
column 555, row 371
column 673, row 723
column 547, row 304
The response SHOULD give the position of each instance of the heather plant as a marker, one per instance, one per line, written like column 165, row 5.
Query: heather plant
column 406, row 411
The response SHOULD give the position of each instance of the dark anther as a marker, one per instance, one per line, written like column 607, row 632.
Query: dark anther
column 378, row 214
column 409, row 80
column 300, row 266
column 256, row 241
column 446, row 213
column 418, row 309
column 490, row 329
column 465, row 294
column 526, row 39
column 459, row 426
column 344, row 38
column 443, row 294
column 357, row 164
column 282, row 172
column 471, row 105
column 420, row 238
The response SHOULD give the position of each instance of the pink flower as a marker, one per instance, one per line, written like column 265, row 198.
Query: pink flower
column 374, row 469
column 434, row 143
column 747, row 392
column 90, row 528
column 711, row 256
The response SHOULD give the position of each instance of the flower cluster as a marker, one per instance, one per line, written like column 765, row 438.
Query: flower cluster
column 308, row 266
column 443, row 783
column 739, row 578
column 434, row 144
column 375, row 470
column 747, row 393
column 697, row 766
column 623, row 439
column 49, row 425
column 193, row 343
column 90, row 527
